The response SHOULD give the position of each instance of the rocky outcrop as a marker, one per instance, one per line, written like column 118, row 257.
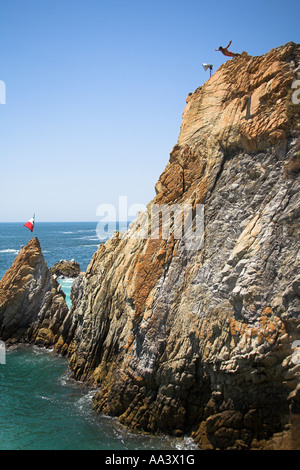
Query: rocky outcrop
column 203, row 340
column 32, row 304
column 64, row 268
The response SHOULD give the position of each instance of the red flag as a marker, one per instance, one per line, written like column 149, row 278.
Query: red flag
column 30, row 224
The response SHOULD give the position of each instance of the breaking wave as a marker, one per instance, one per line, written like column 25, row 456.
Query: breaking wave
column 9, row 250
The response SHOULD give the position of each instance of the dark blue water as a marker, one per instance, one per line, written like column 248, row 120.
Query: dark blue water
column 41, row 407
column 59, row 240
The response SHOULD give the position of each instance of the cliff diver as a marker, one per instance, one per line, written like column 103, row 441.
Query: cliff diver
column 226, row 52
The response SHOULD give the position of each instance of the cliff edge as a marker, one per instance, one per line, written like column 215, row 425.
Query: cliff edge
column 203, row 341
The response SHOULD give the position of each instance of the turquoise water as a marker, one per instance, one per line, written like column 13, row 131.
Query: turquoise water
column 41, row 407
column 66, row 285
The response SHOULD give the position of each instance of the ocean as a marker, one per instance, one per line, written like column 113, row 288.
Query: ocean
column 59, row 240
column 41, row 406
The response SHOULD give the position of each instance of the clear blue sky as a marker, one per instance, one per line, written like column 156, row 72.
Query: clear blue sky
column 96, row 91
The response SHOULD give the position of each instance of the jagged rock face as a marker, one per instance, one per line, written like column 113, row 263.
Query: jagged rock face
column 32, row 305
column 243, row 107
column 203, row 340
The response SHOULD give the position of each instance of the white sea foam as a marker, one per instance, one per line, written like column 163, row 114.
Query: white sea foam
column 89, row 237
column 88, row 246
column 85, row 400
column 15, row 252
column 79, row 231
column 65, row 280
column 83, row 231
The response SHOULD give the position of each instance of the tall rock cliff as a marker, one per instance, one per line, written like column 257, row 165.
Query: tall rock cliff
column 32, row 305
column 203, row 341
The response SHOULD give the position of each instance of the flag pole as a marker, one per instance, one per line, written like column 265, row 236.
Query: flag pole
column 30, row 225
